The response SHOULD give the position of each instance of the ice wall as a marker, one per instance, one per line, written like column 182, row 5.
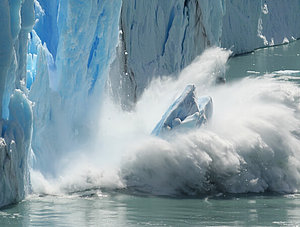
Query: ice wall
column 248, row 25
column 71, row 72
column 16, row 20
column 162, row 37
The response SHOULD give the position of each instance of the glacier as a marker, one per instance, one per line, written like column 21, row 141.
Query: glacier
column 16, row 21
column 58, row 58
column 70, row 73
column 165, row 37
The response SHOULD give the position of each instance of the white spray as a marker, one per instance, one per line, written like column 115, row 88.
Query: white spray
column 252, row 143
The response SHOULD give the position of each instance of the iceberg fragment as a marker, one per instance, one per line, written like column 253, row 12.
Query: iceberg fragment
column 186, row 112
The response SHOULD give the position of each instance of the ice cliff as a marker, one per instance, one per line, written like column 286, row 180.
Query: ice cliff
column 79, row 47
column 16, row 21
column 162, row 37
column 71, row 71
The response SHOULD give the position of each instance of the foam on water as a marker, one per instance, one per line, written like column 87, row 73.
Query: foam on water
column 252, row 143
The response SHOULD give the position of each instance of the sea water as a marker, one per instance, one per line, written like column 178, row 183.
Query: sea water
column 118, row 209
column 170, row 191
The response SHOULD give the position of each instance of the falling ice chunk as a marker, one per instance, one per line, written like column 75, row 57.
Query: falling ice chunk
column 265, row 9
column 185, row 113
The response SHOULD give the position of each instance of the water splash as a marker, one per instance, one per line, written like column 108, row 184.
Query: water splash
column 252, row 143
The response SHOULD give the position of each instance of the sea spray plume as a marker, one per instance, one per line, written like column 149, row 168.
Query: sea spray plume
column 203, row 73
column 251, row 145
column 99, row 161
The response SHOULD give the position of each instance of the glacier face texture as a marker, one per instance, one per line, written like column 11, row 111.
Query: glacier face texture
column 16, row 21
column 161, row 37
column 70, row 73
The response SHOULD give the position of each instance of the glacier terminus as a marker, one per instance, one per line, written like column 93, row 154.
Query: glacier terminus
column 60, row 60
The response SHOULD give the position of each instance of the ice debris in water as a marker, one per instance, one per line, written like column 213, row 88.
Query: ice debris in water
column 185, row 113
